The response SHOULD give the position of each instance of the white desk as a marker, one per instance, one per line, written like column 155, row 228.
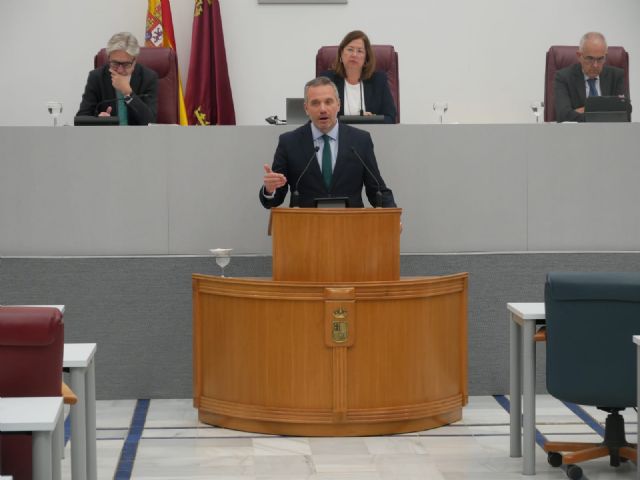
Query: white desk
column 41, row 416
column 79, row 360
column 522, row 358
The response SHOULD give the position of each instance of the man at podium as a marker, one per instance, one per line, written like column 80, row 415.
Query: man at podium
column 324, row 160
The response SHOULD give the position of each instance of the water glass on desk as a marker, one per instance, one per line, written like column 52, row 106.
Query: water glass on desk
column 440, row 108
column 55, row 110
column 537, row 108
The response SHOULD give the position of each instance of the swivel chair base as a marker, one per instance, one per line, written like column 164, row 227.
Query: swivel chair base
column 614, row 445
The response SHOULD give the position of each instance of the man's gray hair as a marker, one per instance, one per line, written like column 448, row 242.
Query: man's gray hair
column 123, row 41
column 320, row 82
column 592, row 36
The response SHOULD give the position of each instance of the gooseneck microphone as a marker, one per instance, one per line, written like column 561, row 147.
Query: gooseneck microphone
column 361, row 100
column 296, row 198
column 379, row 192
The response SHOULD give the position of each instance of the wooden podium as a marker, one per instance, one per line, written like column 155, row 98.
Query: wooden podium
column 331, row 346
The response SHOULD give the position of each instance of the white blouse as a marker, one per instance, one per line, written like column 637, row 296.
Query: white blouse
column 353, row 98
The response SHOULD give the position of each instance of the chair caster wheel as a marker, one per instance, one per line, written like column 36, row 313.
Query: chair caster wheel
column 574, row 472
column 554, row 459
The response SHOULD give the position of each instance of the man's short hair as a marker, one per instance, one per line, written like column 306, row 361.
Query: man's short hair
column 320, row 82
column 592, row 36
column 123, row 41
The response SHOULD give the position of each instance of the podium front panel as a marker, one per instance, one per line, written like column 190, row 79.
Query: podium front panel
column 336, row 245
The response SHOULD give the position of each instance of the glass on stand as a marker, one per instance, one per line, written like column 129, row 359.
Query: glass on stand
column 441, row 109
column 536, row 108
column 55, row 110
column 222, row 256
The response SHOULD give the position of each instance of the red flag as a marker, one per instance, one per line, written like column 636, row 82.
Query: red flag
column 208, row 98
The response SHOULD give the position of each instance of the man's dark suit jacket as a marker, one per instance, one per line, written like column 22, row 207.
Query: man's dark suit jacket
column 570, row 91
column 377, row 96
column 100, row 94
column 295, row 149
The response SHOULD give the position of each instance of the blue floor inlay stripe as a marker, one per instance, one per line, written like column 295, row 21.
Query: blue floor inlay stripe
column 586, row 418
column 504, row 403
column 67, row 429
column 130, row 447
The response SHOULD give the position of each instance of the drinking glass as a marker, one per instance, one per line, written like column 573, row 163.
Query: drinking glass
column 440, row 108
column 55, row 110
column 222, row 256
column 536, row 108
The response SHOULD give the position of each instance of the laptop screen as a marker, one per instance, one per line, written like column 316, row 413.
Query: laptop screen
column 607, row 109
column 295, row 111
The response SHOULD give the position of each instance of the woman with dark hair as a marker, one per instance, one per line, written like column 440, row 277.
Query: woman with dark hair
column 363, row 90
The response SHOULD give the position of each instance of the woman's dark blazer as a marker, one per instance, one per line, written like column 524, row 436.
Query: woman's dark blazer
column 377, row 96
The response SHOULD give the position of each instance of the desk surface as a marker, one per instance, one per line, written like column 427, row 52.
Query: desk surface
column 29, row 414
column 528, row 311
column 78, row 354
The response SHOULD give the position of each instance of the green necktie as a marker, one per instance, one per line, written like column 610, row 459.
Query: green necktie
column 326, row 161
column 122, row 110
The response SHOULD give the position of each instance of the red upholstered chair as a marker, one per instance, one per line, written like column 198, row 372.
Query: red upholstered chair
column 31, row 348
column 561, row 56
column 165, row 63
column 386, row 61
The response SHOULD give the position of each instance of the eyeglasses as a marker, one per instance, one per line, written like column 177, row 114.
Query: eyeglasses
column 593, row 60
column 113, row 64
column 356, row 51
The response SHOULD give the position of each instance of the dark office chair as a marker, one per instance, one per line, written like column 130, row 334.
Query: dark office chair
column 591, row 359
column 386, row 61
column 164, row 62
column 561, row 56
column 31, row 349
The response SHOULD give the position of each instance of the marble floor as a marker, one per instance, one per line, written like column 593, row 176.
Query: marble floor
column 170, row 443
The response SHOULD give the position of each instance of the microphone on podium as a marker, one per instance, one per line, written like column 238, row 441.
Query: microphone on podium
column 379, row 192
column 294, row 193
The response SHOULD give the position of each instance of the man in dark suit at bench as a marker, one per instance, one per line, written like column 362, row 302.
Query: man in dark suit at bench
column 590, row 77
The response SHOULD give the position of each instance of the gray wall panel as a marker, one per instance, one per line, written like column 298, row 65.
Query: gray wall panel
column 82, row 191
column 214, row 188
column 583, row 189
column 461, row 187
column 171, row 190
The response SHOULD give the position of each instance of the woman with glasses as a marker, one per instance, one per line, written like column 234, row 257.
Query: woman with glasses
column 122, row 87
column 362, row 89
